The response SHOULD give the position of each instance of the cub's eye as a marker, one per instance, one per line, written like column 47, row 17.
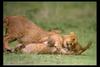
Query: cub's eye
column 67, row 44
column 73, row 39
column 70, row 43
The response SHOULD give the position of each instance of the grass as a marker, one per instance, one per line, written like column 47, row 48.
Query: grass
column 32, row 59
column 79, row 17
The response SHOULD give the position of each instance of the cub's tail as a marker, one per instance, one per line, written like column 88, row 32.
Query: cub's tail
column 85, row 48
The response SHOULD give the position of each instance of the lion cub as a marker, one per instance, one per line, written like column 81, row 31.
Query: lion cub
column 23, row 30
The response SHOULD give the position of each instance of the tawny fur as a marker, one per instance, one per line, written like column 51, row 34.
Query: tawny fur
column 37, row 48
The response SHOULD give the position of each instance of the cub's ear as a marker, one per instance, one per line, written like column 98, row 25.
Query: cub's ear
column 72, row 33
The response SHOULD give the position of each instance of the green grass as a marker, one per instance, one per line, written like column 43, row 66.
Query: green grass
column 79, row 17
column 34, row 59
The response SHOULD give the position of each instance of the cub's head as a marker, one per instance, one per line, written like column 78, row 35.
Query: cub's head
column 70, row 40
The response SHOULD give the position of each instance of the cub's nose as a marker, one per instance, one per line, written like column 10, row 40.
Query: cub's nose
column 69, row 46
